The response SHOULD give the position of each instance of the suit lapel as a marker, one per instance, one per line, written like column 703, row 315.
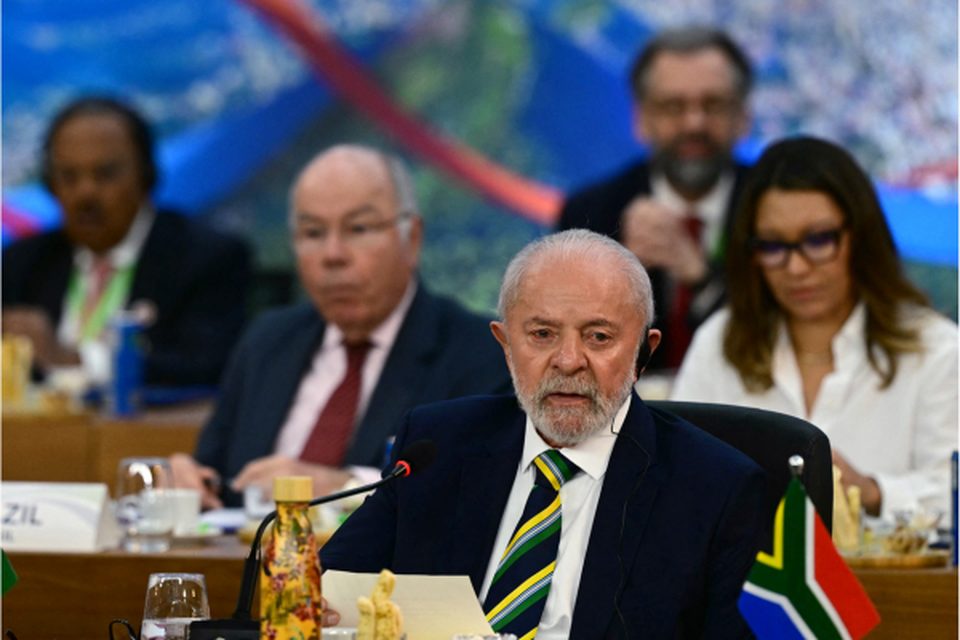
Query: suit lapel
column 152, row 278
column 485, row 482
column 417, row 344
column 283, row 370
column 630, row 487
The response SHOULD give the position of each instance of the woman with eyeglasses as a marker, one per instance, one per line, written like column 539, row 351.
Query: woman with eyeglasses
column 821, row 323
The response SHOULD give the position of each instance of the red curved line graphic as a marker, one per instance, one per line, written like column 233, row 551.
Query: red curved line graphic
column 20, row 224
column 535, row 201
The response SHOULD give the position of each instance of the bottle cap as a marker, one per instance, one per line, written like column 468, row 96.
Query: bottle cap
column 293, row 489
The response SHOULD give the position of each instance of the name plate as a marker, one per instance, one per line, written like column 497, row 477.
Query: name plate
column 56, row 516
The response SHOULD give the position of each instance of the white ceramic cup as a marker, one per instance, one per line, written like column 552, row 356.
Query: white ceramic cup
column 186, row 510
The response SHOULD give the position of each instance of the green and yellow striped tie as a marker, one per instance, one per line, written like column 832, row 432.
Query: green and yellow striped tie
column 519, row 589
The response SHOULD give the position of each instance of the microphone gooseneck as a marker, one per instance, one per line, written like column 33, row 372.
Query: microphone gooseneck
column 414, row 459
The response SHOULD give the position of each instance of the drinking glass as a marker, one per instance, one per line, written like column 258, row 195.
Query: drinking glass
column 174, row 600
column 144, row 511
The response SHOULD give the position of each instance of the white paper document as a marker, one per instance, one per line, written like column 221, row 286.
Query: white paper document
column 434, row 607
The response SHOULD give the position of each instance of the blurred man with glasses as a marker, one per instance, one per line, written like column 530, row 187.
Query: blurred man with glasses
column 318, row 389
column 673, row 210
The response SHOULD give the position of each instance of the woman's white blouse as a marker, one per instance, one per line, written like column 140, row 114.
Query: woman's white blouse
column 902, row 435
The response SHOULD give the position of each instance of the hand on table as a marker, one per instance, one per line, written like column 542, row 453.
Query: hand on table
column 33, row 323
column 262, row 471
column 330, row 617
column 659, row 238
column 190, row 474
column 870, row 496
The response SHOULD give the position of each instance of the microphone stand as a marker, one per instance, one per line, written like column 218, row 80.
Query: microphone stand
column 251, row 565
column 241, row 626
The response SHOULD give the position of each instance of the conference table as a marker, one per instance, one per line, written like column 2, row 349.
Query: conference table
column 75, row 596
column 86, row 446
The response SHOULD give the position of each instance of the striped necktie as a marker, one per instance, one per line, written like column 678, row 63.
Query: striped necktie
column 519, row 588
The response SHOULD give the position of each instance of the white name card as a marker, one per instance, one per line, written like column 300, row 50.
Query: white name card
column 56, row 516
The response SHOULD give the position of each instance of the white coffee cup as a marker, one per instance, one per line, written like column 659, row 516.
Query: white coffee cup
column 186, row 510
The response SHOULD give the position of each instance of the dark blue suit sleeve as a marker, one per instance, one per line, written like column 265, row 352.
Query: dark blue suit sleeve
column 218, row 433
column 733, row 552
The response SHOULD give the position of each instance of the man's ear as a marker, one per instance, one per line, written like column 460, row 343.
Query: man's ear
column 499, row 331
column 649, row 345
column 640, row 131
column 415, row 241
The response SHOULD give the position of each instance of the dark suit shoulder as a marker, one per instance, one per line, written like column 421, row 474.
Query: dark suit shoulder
column 457, row 320
column 275, row 325
column 27, row 252
column 195, row 235
column 31, row 264
column 463, row 420
column 598, row 206
column 35, row 243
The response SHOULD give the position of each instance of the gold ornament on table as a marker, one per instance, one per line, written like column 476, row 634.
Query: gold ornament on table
column 846, row 514
column 380, row 619
column 17, row 360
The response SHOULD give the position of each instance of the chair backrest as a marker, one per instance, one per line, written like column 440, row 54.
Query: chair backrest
column 769, row 438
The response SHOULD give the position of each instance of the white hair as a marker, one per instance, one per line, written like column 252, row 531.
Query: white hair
column 577, row 243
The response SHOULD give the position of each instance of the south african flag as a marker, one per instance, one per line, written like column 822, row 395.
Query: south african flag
column 804, row 590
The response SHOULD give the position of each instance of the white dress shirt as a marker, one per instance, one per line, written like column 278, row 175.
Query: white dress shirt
column 327, row 370
column 95, row 354
column 902, row 436
column 711, row 209
column 578, row 503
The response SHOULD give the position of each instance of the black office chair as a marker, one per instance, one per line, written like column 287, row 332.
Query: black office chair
column 769, row 438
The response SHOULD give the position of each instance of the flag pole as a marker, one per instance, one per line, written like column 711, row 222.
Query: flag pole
column 796, row 466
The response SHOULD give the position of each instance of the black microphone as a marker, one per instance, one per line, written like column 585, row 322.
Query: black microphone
column 414, row 459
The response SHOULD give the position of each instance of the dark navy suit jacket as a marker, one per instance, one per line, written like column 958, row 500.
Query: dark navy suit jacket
column 195, row 277
column 599, row 207
column 441, row 352
column 675, row 533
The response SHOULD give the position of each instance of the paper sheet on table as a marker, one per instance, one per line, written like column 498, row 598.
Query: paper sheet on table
column 434, row 607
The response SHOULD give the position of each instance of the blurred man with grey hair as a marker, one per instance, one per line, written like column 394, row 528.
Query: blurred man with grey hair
column 318, row 388
column 576, row 510
column 672, row 210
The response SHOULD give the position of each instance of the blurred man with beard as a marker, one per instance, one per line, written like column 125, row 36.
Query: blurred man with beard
column 580, row 513
column 116, row 252
column 690, row 91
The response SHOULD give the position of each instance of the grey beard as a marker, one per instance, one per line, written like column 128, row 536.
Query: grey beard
column 692, row 177
column 569, row 426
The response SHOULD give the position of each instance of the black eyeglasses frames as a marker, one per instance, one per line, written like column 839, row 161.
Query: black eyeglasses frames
column 818, row 247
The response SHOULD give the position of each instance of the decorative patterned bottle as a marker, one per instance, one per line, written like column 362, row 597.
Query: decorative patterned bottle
column 290, row 605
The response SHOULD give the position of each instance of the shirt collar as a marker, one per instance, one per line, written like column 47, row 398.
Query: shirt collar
column 711, row 207
column 126, row 252
column 385, row 334
column 592, row 455
column 845, row 346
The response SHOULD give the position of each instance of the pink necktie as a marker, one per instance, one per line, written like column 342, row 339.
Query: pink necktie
column 101, row 274
column 330, row 437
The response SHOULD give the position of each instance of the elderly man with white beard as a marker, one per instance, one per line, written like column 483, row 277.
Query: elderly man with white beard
column 576, row 510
